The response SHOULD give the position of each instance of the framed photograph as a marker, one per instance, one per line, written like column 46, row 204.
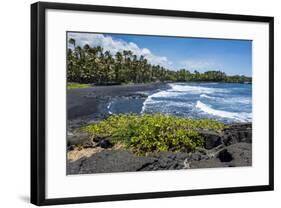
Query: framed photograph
column 134, row 103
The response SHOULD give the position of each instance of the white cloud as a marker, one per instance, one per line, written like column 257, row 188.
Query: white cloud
column 115, row 45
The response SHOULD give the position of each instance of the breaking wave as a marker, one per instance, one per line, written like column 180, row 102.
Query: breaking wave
column 222, row 101
column 207, row 96
column 241, row 116
column 195, row 89
column 242, row 100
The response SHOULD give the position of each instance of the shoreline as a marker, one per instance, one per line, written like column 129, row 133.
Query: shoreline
column 93, row 104
column 88, row 105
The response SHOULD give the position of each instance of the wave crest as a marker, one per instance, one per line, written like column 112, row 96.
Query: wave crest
column 242, row 117
column 207, row 96
column 196, row 89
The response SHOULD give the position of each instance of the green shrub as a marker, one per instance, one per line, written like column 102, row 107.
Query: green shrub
column 153, row 132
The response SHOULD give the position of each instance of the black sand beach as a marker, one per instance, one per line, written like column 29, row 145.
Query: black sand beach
column 91, row 104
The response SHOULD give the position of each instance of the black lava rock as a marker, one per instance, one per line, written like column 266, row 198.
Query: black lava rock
column 237, row 133
column 230, row 148
column 212, row 139
column 105, row 143
column 225, row 156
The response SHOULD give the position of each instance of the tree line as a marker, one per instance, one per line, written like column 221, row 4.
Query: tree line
column 94, row 65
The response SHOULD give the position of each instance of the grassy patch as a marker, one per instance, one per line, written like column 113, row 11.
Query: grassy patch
column 153, row 132
column 73, row 85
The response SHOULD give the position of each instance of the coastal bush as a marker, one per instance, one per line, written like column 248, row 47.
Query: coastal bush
column 72, row 85
column 153, row 132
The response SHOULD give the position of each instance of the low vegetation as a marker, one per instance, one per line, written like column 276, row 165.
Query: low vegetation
column 73, row 85
column 86, row 64
column 153, row 132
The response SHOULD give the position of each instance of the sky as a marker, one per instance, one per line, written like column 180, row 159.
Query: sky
column 234, row 57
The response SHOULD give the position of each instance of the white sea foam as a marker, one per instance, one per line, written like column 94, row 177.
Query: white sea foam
column 144, row 104
column 242, row 100
column 195, row 89
column 150, row 98
column 158, row 101
column 207, row 96
column 177, row 90
column 242, row 117
column 108, row 107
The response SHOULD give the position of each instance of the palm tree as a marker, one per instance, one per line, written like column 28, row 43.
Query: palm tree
column 72, row 41
column 119, row 62
column 86, row 47
column 134, row 68
column 108, row 65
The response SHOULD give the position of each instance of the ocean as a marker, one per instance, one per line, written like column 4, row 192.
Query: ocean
column 226, row 102
column 221, row 101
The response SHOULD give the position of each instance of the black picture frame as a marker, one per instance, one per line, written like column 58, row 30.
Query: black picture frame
column 38, row 102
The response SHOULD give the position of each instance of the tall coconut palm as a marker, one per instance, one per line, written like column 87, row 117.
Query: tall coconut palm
column 119, row 62
column 108, row 66
column 72, row 41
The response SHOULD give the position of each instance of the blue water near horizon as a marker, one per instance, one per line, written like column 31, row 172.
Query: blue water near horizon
column 226, row 102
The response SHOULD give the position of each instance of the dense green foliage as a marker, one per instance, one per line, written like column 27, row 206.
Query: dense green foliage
column 153, row 132
column 93, row 65
column 72, row 85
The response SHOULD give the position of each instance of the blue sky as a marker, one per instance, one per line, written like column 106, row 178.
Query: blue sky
column 201, row 54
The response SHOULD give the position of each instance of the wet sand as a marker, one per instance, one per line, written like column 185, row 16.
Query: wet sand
column 91, row 104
